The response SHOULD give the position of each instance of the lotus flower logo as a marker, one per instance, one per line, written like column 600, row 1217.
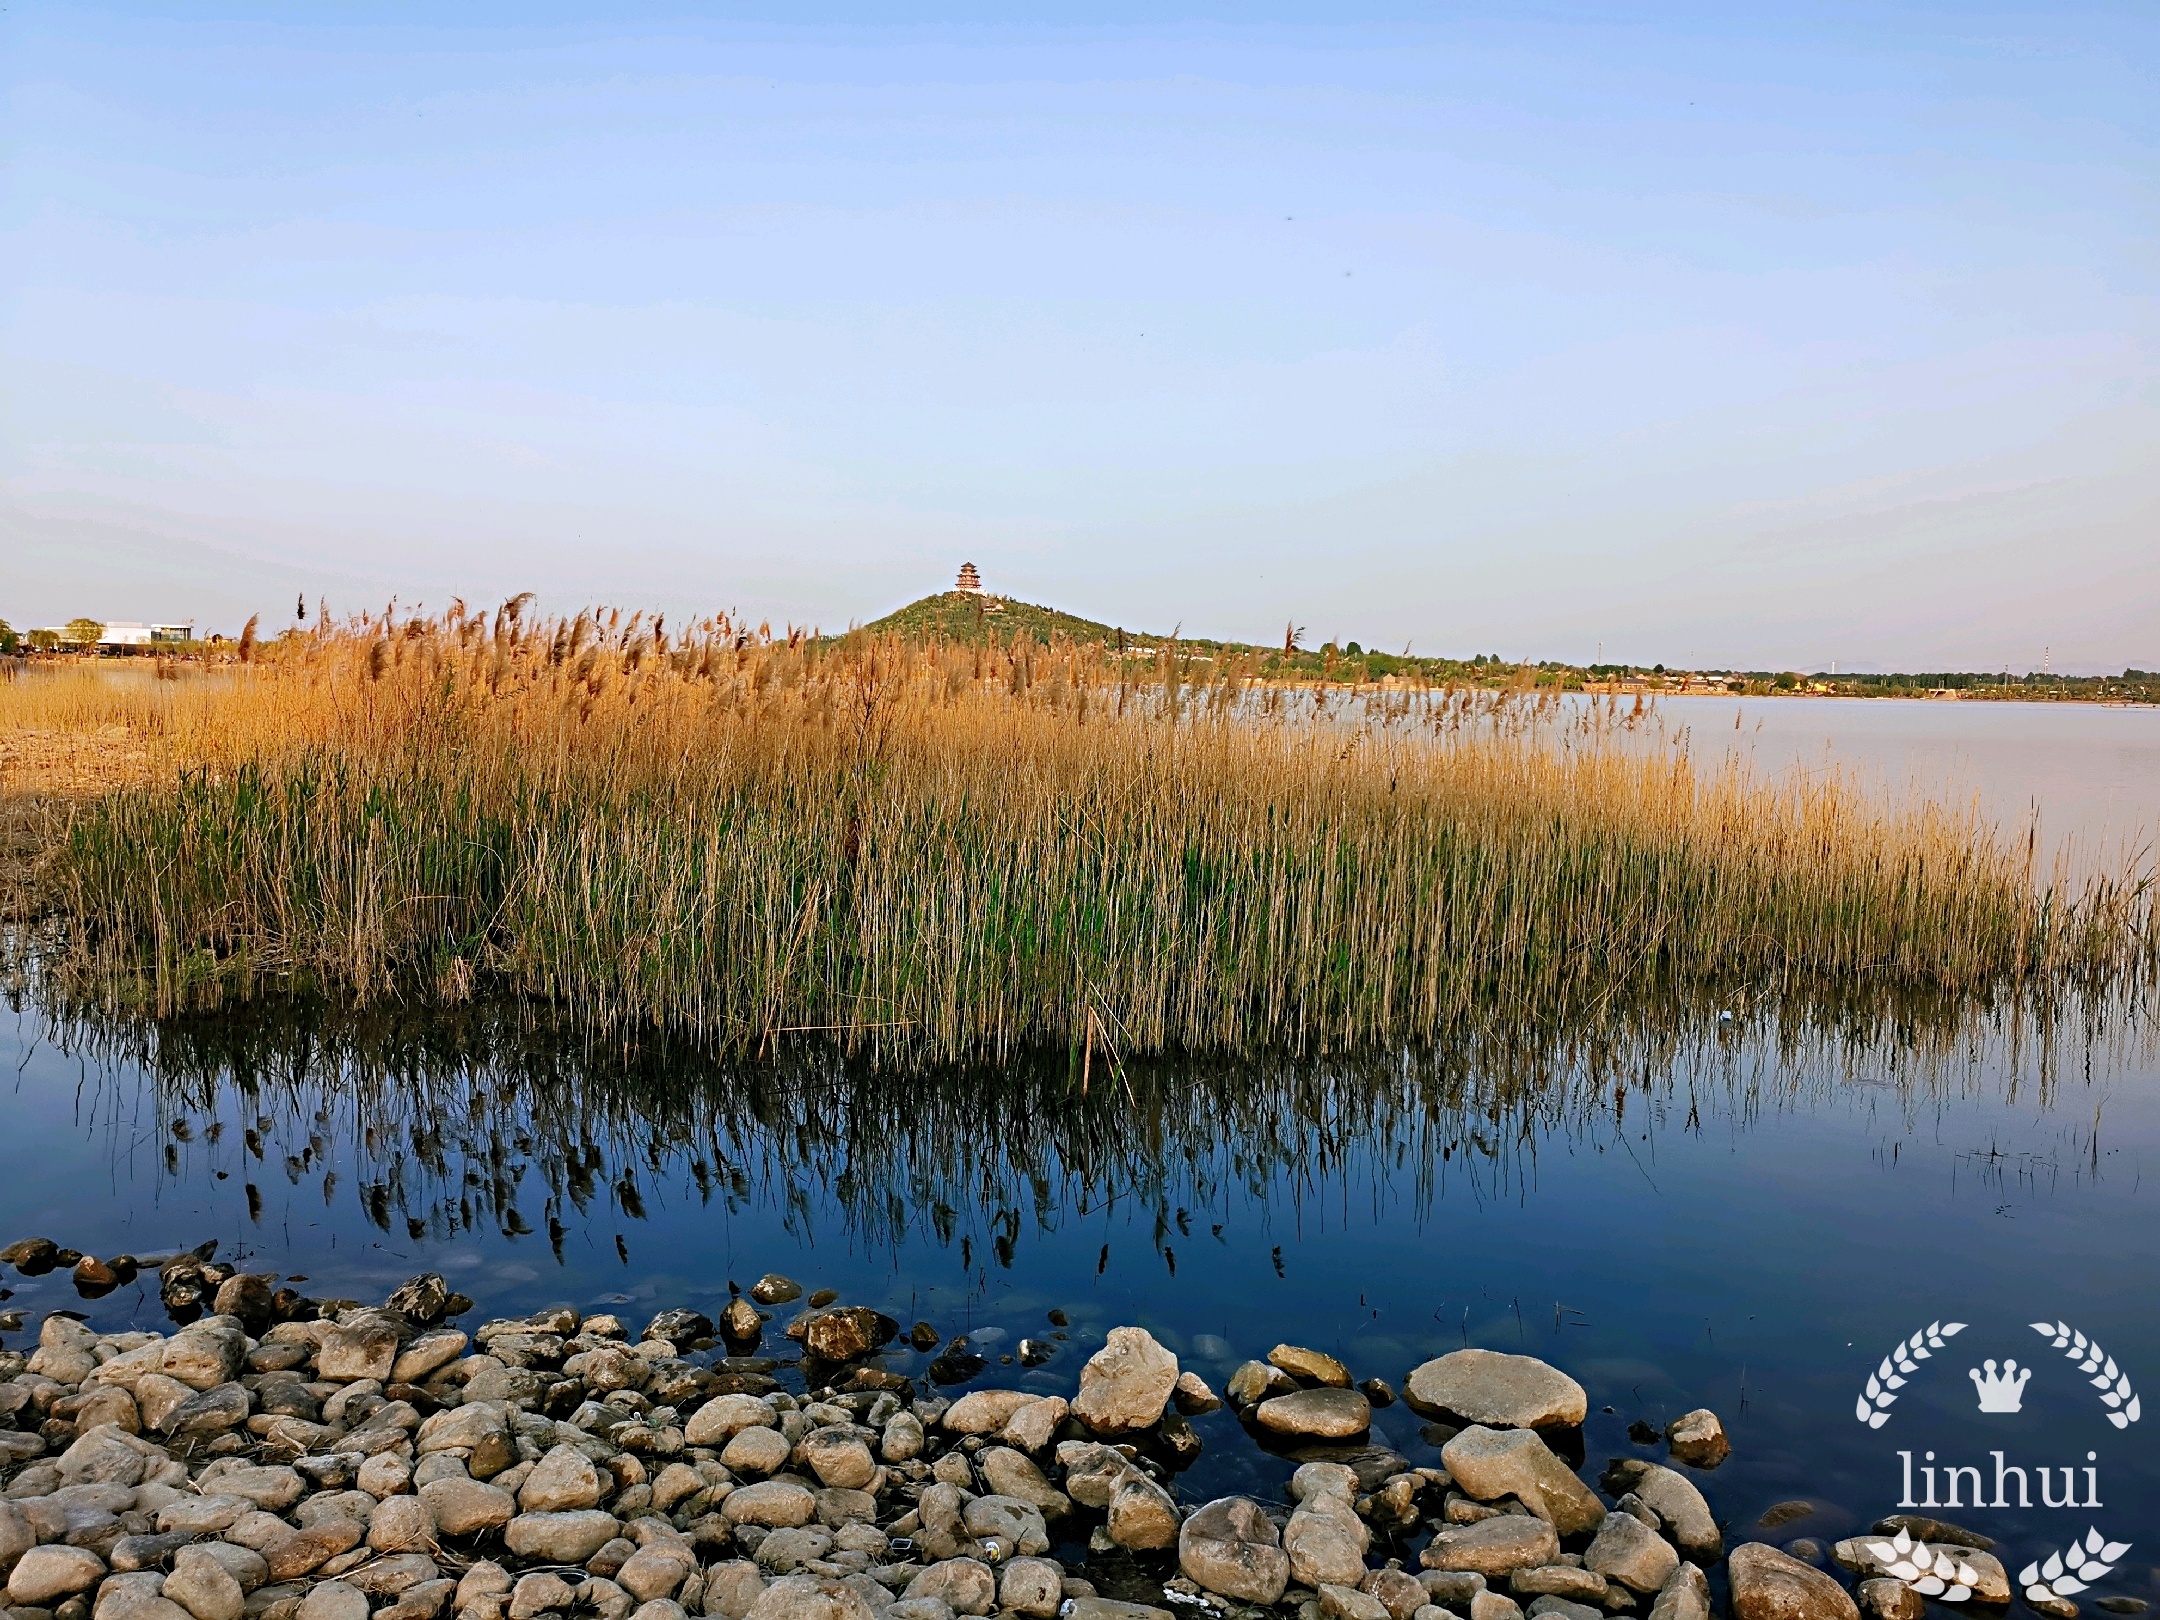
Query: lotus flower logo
column 2001, row 1391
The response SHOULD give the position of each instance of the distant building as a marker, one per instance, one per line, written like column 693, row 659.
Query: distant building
column 127, row 635
column 970, row 581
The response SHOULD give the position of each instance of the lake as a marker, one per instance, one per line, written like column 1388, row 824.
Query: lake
column 1746, row 1215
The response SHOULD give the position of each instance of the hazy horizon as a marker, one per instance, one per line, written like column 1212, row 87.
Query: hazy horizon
column 1804, row 337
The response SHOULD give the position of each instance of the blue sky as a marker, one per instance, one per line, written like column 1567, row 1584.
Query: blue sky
column 1780, row 338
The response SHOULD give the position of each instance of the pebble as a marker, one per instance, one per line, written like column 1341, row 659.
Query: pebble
column 385, row 1460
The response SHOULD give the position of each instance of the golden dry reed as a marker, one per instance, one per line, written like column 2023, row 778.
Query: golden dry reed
column 953, row 850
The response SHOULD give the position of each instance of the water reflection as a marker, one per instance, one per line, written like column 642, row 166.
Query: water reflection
column 1681, row 1208
column 438, row 1125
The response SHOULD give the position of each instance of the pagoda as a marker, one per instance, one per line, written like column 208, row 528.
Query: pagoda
column 970, row 581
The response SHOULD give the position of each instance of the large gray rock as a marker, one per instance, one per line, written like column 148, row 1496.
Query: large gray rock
column 1498, row 1390
column 1233, row 1549
column 1672, row 1496
column 465, row 1507
column 1010, row 1473
column 656, row 1570
column 1326, row 1540
column 1019, row 1524
column 365, row 1345
column 1141, row 1515
column 204, row 1354
column 962, row 1582
column 563, row 1481
column 17, row 1537
column 775, row 1503
column 334, row 1600
column 1698, row 1439
column 403, row 1524
column 212, row 1412
column 732, row 1589
column 137, row 1596
column 1878, row 1599
column 1322, row 1414
column 45, row 1575
column 1492, row 1547
column 1032, row 1586
column 783, row 1552
column 985, row 1411
column 723, row 1417
column 838, row 1456
column 1310, row 1366
column 1491, row 1463
column 1630, row 1552
column 562, row 1538
column 756, row 1451
column 1684, row 1596
column 1983, row 1572
column 1767, row 1585
column 1092, row 1471
column 104, row 1456
column 202, row 1585
column 1125, row 1385
column 1348, row 1603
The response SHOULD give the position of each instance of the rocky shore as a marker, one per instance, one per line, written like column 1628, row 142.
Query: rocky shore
column 277, row 1458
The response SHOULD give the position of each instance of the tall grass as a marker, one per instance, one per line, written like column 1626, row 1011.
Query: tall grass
column 952, row 850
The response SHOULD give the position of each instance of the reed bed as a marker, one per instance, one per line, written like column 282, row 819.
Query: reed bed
column 948, row 851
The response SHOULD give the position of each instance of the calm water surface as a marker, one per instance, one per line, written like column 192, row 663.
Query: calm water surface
column 1745, row 1216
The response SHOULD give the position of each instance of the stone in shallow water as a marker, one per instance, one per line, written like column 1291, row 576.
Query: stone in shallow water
column 1767, row 1585
column 1494, row 1546
column 1125, row 1385
column 1324, row 1414
column 1672, row 1496
column 1990, row 1582
column 1698, row 1439
column 1885, row 1599
column 1232, row 1548
column 1310, row 1366
column 1498, row 1390
column 1684, row 1596
column 1628, row 1551
column 1492, row 1463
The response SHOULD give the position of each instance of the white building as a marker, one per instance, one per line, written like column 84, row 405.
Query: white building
column 127, row 635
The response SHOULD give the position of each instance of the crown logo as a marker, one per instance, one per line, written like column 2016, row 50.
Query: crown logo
column 2001, row 1391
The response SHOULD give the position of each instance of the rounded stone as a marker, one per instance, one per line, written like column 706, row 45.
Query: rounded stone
column 1767, row 1585
column 561, row 1538
column 1498, row 1390
column 1326, row 1414
column 43, row 1575
column 465, row 1507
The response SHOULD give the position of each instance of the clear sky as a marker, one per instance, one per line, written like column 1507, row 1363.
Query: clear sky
column 1761, row 335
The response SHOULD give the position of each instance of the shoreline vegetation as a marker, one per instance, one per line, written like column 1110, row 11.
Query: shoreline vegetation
column 935, row 848
column 971, row 616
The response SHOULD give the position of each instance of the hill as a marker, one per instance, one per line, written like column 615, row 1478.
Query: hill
column 965, row 615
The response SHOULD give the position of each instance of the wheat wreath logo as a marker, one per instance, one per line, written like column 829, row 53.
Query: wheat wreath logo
column 2073, row 1569
column 1930, row 1572
column 2098, row 1366
column 1897, row 1367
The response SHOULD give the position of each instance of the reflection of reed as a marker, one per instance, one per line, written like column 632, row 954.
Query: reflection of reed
column 943, row 852
column 485, row 1117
